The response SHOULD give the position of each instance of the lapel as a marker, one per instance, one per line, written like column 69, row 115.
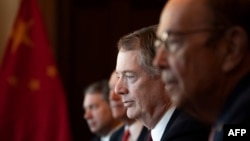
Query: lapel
column 117, row 135
column 143, row 134
column 170, row 123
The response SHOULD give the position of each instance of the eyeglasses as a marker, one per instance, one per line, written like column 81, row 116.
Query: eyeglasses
column 173, row 40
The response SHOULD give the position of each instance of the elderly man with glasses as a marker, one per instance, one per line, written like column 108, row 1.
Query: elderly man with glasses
column 204, row 53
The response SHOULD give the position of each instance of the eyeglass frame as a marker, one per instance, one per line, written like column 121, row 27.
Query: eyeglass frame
column 164, row 39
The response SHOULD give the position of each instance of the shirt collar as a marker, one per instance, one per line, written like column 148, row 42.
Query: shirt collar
column 159, row 129
column 135, row 130
column 107, row 137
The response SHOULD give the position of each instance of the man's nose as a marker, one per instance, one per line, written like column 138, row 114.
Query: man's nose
column 160, row 59
column 121, row 87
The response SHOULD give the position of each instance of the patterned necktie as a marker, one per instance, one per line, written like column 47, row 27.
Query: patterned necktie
column 126, row 135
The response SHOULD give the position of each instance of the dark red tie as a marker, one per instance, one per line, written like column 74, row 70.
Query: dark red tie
column 149, row 136
column 126, row 135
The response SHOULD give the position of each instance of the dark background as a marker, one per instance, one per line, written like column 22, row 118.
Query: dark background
column 85, row 44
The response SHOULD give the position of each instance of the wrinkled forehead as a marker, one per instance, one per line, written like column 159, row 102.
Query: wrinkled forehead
column 185, row 15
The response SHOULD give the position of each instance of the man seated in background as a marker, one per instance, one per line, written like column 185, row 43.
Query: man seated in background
column 132, row 130
column 97, row 111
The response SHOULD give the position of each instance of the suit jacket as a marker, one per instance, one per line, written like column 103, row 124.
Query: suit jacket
column 236, row 110
column 182, row 127
column 117, row 136
column 96, row 138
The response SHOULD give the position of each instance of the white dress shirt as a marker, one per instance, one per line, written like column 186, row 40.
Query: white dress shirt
column 158, row 130
column 107, row 137
column 134, row 130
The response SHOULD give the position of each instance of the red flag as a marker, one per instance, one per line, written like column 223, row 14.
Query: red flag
column 32, row 101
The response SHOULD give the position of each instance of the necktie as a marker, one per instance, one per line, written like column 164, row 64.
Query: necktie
column 126, row 135
column 149, row 136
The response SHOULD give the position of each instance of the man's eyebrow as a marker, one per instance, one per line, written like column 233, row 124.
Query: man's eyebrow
column 125, row 71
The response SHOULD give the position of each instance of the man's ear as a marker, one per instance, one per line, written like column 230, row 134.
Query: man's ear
column 236, row 47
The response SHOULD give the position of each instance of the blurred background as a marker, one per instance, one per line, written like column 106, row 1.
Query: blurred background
column 83, row 34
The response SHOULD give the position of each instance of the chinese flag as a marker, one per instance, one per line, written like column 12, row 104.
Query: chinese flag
column 32, row 101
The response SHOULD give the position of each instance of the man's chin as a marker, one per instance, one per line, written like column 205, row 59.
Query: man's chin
column 175, row 98
column 131, row 114
column 94, row 131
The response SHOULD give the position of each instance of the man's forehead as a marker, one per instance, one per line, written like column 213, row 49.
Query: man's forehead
column 94, row 96
column 184, row 15
column 127, row 61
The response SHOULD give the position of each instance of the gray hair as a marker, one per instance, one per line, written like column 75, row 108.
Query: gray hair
column 142, row 39
column 101, row 87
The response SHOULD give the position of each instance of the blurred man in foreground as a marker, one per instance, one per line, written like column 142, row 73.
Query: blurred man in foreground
column 205, row 58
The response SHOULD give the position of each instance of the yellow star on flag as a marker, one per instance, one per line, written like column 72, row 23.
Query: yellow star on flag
column 34, row 85
column 51, row 71
column 20, row 35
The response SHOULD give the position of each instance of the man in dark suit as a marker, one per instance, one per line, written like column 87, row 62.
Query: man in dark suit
column 97, row 111
column 132, row 130
column 143, row 92
column 119, row 134
column 205, row 58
